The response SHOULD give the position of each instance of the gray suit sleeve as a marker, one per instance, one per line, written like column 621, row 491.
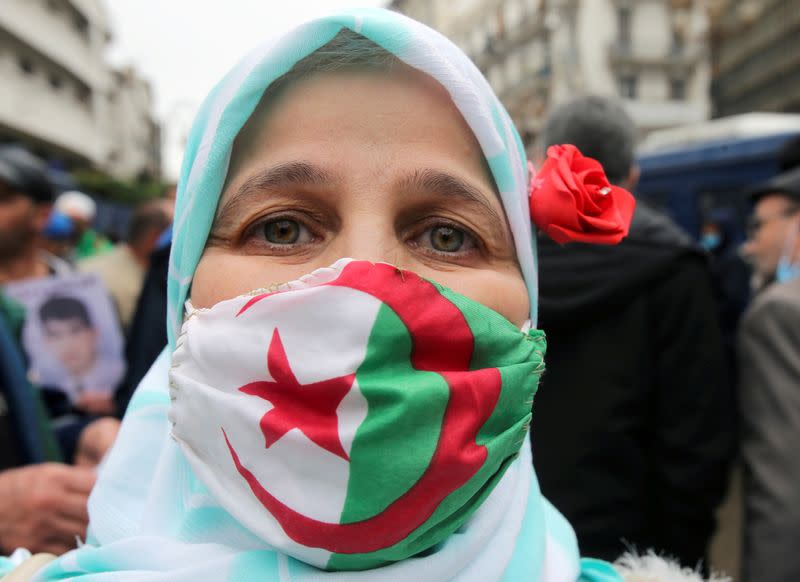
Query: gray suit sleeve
column 769, row 349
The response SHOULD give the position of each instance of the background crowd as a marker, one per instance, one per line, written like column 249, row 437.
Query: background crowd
column 680, row 346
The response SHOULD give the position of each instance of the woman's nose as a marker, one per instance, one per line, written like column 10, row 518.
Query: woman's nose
column 370, row 240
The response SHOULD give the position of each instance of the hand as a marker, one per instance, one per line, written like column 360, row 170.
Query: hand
column 43, row 507
column 98, row 403
column 95, row 440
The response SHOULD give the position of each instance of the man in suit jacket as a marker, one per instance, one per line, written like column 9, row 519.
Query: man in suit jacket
column 769, row 360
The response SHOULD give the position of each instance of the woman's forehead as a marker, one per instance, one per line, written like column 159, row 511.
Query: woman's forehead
column 332, row 114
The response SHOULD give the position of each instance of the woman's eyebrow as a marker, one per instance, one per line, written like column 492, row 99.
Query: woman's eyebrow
column 295, row 173
column 445, row 184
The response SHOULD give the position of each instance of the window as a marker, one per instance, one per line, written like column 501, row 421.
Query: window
column 624, row 26
column 627, row 86
column 83, row 94
column 534, row 55
column 677, row 43
column 677, row 89
column 80, row 23
column 25, row 65
column 55, row 81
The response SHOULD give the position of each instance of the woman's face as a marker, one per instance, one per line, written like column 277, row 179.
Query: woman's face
column 373, row 166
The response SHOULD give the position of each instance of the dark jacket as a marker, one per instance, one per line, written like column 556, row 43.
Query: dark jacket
column 631, row 436
column 25, row 434
column 731, row 277
column 148, row 329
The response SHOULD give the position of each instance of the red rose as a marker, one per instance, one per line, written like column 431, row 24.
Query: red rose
column 572, row 200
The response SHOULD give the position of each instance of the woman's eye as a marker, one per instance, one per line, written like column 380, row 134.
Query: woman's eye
column 285, row 231
column 447, row 239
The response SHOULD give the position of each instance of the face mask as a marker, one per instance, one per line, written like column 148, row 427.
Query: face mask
column 355, row 417
column 788, row 269
column 710, row 242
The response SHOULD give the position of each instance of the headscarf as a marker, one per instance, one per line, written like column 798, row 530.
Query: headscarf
column 151, row 518
column 231, row 103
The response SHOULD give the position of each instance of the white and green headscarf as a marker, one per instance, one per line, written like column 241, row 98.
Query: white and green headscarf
column 153, row 519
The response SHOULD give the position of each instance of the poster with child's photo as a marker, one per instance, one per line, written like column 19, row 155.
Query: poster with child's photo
column 72, row 338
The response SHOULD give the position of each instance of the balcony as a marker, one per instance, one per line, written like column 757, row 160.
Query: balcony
column 657, row 115
column 628, row 57
column 54, row 38
column 29, row 106
column 497, row 47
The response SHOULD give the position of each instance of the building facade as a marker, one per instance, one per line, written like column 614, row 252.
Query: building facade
column 652, row 54
column 62, row 99
column 756, row 56
column 135, row 137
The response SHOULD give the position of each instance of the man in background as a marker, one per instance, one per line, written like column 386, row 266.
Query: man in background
column 769, row 388
column 631, row 436
column 26, row 199
column 123, row 269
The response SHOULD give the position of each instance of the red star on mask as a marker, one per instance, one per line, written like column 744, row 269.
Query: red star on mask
column 308, row 407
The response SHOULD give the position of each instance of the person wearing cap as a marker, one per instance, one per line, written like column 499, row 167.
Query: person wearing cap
column 42, row 502
column 26, row 199
column 769, row 366
column 772, row 239
column 81, row 210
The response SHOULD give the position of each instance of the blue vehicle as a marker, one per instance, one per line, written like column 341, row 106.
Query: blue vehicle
column 688, row 172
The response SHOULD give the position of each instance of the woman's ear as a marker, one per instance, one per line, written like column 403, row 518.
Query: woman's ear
column 633, row 178
column 41, row 216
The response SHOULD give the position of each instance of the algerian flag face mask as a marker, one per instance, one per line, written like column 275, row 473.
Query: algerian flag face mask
column 355, row 417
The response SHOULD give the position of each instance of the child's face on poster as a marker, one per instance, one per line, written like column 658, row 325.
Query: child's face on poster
column 74, row 344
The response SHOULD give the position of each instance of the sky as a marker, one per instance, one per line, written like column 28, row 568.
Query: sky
column 183, row 47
